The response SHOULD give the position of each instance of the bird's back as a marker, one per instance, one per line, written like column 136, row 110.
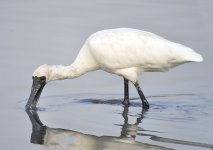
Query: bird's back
column 126, row 48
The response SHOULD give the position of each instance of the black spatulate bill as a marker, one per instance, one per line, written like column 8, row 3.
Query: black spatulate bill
column 36, row 90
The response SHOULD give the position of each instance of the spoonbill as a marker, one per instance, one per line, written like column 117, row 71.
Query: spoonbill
column 125, row 52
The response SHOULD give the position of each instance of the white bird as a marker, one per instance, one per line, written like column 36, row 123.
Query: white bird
column 125, row 52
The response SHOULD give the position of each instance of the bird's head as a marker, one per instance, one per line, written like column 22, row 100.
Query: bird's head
column 40, row 77
column 43, row 71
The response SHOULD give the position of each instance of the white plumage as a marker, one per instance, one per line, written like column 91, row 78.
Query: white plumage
column 125, row 52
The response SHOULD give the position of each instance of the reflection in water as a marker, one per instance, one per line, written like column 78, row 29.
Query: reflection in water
column 63, row 138
column 129, row 131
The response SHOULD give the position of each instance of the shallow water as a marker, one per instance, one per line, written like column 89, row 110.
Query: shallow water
column 86, row 112
column 172, row 122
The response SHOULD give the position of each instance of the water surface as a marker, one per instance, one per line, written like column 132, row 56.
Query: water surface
column 86, row 112
column 172, row 122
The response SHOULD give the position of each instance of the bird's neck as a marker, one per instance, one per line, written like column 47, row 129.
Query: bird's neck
column 59, row 72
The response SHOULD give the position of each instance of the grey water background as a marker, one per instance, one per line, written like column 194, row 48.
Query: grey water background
column 89, row 107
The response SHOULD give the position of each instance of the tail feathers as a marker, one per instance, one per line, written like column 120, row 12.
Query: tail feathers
column 187, row 54
column 195, row 57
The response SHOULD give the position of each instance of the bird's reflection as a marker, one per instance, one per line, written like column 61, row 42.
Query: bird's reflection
column 64, row 138
column 129, row 131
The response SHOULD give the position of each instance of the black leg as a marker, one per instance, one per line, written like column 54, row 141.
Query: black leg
column 126, row 92
column 143, row 98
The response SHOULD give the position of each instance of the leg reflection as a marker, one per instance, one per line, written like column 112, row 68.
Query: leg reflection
column 129, row 131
